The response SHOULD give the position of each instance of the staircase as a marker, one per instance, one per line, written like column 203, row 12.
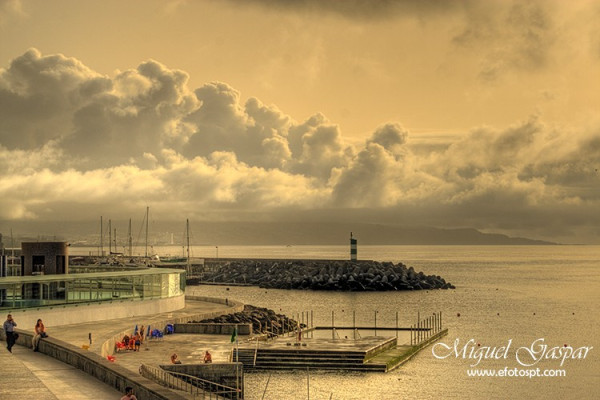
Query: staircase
column 279, row 359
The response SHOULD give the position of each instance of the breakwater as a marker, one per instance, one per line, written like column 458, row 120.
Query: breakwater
column 263, row 320
column 325, row 275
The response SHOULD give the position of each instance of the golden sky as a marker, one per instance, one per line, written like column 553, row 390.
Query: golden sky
column 445, row 113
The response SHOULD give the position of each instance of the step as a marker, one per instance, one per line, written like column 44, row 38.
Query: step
column 361, row 367
column 309, row 360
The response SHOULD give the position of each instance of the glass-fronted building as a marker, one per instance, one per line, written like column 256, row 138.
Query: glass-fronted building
column 21, row 292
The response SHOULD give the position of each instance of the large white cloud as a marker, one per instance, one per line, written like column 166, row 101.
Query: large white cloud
column 74, row 143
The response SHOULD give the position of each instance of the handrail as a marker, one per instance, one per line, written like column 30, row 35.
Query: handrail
column 188, row 383
column 255, row 352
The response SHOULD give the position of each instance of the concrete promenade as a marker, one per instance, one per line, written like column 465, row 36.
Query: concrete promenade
column 25, row 374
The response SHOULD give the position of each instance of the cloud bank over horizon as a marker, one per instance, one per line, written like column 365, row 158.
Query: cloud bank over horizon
column 75, row 144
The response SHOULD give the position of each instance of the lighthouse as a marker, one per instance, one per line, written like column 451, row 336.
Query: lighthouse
column 353, row 249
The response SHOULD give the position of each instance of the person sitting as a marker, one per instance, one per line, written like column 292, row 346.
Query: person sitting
column 207, row 357
column 174, row 359
column 39, row 333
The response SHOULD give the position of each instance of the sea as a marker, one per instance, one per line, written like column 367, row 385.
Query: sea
column 529, row 315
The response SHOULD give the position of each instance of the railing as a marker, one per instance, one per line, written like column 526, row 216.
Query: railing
column 197, row 387
column 19, row 292
column 425, row 328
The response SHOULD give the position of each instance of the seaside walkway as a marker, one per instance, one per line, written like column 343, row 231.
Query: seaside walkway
column 30, row 375
column 35, row 376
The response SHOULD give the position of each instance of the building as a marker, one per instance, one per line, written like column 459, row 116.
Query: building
column 44, row 258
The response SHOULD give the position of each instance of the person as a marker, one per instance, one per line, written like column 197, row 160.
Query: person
column 136, row 339
column 129, row 394
column 142, row 334
column 126, row 340
column 9, row 330
column 39, row 333
column 207, row 357
column 174, row 359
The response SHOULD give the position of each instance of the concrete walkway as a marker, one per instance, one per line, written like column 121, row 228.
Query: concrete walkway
column 29, row 375
column 25, row 374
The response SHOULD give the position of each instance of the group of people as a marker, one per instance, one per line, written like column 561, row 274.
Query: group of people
column 132, row 342
column 39, row 332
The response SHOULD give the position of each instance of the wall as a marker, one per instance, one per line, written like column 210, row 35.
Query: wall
column 209, row 328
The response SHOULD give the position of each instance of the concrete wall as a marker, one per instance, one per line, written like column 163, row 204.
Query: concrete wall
column 88, row 312
column 209, row 328
column 100, row 368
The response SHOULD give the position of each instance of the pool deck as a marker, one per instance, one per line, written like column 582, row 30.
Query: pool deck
column 36, row 373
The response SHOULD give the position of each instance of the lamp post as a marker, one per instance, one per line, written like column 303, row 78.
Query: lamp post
column 217, row 247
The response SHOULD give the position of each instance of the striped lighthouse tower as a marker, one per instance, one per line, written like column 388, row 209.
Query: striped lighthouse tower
column 353, row 249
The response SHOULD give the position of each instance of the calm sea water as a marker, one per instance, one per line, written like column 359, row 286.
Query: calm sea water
column 522, row 293
column 518, row 293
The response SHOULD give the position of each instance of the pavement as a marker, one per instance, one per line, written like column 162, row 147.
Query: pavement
column 25, row 374
column 29, row 375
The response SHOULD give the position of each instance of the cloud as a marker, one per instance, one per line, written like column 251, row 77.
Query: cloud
column 38, row 95
column 10, row 8
column 143, row 137
column 509, row 36
column 360, row 9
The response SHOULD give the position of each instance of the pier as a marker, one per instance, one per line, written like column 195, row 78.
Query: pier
column 312, row 348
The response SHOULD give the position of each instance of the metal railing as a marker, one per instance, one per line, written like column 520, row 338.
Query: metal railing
column 197, row 387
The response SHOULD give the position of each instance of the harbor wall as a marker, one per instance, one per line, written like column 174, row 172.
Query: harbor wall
column 208, row 328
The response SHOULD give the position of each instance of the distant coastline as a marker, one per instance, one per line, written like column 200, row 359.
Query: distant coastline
column 250, row 233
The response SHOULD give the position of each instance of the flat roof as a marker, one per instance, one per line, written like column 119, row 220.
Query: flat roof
column 86, row 275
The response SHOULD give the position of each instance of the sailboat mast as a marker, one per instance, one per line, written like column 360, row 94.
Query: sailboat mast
column 147, row 218
column 187, row 234
column 101, row 236
column 130, row 242
column 109, row 237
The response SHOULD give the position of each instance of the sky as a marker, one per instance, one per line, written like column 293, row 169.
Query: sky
column 461, row 113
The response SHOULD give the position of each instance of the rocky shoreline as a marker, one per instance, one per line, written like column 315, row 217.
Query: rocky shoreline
column 263, row 320
column 325, row 275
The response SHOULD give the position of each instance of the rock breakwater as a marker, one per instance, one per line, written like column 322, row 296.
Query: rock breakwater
column 326, row 275
column 263, row 320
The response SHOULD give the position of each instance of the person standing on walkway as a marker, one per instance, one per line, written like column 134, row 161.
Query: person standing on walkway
column 129, row 394
column 39, row 333
column 9, row 330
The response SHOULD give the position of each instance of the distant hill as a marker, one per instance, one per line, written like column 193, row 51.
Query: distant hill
column 264, row 233
column 299, row 233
